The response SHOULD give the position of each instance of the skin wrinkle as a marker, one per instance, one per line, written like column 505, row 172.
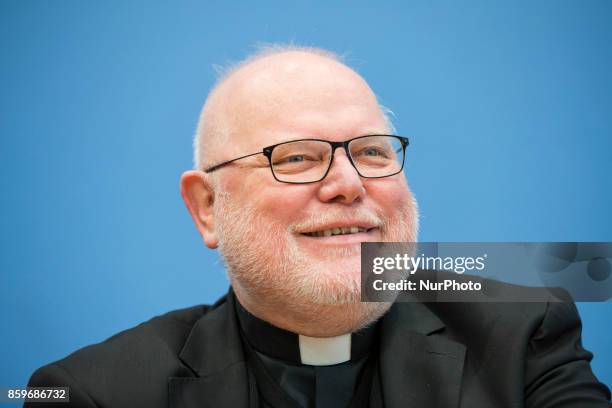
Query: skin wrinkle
column 314, row 292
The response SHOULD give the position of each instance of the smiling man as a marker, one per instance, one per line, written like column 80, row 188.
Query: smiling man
column 296, row 165
column 289, row 219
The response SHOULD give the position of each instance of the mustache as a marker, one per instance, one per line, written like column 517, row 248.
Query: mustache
column 316, row 220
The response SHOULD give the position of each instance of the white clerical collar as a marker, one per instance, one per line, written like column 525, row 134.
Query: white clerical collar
column 298, row 349
column 325, row 351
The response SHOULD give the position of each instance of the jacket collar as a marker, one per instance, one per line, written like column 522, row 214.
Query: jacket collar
column 418, row 367
column 213, row 351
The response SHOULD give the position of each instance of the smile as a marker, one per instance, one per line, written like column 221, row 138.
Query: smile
column 336, row 231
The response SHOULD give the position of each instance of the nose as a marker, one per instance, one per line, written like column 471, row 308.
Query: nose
column 342, row 183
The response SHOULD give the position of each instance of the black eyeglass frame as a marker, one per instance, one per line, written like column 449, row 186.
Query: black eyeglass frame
column 267, row 151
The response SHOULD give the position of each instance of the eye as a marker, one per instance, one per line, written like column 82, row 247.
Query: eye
column 371, row 152
column 295, row 159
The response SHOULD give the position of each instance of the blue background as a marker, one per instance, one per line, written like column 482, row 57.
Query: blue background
column 508, row 106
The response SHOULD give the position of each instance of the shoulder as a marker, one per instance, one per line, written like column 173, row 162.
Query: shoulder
column 165, row 333
column 530, row 342
column 142, row 357
column 498, row 313
column 509, row 308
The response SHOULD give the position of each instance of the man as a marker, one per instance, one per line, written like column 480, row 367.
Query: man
column 295, row 167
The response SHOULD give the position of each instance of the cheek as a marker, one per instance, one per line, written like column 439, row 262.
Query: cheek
column 389, row 194
column 284, row 202
column 269, row 198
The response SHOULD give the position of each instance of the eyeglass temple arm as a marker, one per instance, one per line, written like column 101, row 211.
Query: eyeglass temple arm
column 218, row 166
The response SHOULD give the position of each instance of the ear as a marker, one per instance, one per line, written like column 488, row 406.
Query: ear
column 199, row 196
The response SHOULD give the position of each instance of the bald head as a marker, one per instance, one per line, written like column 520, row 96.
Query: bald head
column 277, row 85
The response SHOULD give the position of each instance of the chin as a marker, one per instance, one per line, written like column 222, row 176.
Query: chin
column 330, row 288
column 336, row 319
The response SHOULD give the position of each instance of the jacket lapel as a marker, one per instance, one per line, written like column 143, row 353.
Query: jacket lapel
column 213, row 351
column 417, row 367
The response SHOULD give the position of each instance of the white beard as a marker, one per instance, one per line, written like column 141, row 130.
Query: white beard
column 265, row 261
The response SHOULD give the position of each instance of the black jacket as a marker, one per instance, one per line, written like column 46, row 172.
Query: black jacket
column 431, row 355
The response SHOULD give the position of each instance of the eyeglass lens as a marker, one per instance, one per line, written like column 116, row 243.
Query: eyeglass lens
column 306, row 161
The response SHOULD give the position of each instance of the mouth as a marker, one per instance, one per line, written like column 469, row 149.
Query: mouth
column 345, row 234
column 343, row 230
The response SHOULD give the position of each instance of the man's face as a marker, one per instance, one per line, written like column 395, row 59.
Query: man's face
column 265, row 228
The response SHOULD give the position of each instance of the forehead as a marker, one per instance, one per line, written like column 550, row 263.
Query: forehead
column 289, row 97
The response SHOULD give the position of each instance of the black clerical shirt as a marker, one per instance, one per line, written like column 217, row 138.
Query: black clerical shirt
column 281, row 380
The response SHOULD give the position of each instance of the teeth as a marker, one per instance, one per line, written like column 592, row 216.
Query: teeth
column 336, row 231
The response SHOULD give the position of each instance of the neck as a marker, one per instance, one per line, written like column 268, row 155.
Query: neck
column 311, row 319
column 293, row 348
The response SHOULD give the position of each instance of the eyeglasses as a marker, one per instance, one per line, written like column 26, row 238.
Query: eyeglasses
column 309, row 160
